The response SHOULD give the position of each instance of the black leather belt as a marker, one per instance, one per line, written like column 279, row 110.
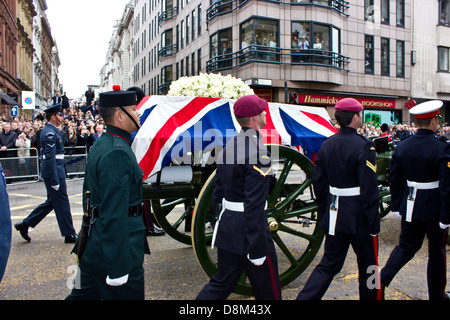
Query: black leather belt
column 134, row 211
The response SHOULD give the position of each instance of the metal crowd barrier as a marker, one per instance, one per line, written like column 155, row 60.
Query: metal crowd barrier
column 18, row 169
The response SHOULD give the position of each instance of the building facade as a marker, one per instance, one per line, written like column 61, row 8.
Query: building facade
column 25, row 14
column 29, row 57
column 313, row 51
column 118, row 66
column 430, row 53
column 9, row 86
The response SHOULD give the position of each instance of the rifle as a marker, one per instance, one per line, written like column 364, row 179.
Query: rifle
column 86, row 224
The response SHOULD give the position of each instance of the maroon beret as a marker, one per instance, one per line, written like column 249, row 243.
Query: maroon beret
column 249, row 106
column 349, row 104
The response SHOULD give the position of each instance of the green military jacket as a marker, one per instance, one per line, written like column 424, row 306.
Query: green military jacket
column 117, row 242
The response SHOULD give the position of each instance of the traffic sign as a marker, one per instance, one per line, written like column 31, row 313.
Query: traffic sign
column 14, row 111
column 28, row 99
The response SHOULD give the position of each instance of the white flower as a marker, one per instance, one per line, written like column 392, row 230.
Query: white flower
column 210, row 85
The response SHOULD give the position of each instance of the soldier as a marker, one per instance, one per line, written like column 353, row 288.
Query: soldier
column 419, row 179
column 5, row 225
column 111, row 265
column 345, row 184
column 244, row 175
column 53, row 173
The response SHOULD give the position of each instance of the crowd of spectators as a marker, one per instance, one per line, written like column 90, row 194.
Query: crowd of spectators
column 398, row 132
column 81, row 126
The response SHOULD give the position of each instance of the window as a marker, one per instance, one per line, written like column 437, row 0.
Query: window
column 187, row 66
column 385, row 11
column 321, row 37
column 313, row 42
column 261, row 35
column 401, row 13
column 199, row 61
column 444, row 12
column 193, row 24
column 199, row 18
column 400, row 59
column 213, row 46
column 384, row 57
column 443, row 59
column 168, row 12
column 183, row 33
column 166, row 43
column 182, row 68
column 369, row 50
column 369, row 10
column 220, row 45
column 187, row 29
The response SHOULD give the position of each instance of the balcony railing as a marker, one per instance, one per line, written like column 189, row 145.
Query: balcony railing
column 167, row 51
column 264, row 54
column 167, row 15
column 222, row 7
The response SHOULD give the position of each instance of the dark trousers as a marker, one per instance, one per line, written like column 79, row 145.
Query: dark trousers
column 91, row 284
column 335, row 252
column 58, row 201
column 411, row 239
column 264, row 278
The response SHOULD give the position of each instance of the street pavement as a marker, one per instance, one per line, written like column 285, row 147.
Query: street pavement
column 43, row 268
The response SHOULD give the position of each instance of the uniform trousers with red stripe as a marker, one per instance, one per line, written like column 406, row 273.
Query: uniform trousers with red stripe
column 264, row 279
column 336, row 247
column 411, row 238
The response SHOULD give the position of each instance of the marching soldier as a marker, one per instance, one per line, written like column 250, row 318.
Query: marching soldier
column 345, row 184
column 419, row 179
column 53, row 173
column 242, row 236
column 111, row 264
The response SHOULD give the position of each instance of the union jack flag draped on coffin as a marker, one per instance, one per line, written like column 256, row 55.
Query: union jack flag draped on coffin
column 174, row 126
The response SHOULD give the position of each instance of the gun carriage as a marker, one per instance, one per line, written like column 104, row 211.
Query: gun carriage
column 185, row 178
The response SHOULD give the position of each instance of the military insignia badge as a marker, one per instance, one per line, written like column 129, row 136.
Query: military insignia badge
column 371, row 166
column 261, row 171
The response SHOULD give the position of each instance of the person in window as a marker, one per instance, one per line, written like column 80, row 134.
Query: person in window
column 294, row 45
column 303, row 45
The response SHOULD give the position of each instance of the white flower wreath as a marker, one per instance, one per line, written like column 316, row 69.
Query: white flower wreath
column 210, row 85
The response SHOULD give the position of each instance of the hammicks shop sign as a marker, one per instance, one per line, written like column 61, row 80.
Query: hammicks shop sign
column 332, row 100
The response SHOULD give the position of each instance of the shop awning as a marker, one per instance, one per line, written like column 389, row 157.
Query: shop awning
column 8, row 100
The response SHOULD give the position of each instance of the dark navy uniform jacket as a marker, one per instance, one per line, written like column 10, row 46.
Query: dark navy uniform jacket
column 347, row 160
column 422, row 158
column 244, row 174
column 52, row 152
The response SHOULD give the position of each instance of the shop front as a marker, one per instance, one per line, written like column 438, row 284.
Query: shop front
column 377, row 110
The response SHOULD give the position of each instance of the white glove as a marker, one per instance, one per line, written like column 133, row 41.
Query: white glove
column 56, row 187
column 117, row 281
column 397, row 214
column 257, row 262
column 443, row 226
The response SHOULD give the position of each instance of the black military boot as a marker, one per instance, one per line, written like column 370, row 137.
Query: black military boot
column 22, row 227
column 70, row 239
